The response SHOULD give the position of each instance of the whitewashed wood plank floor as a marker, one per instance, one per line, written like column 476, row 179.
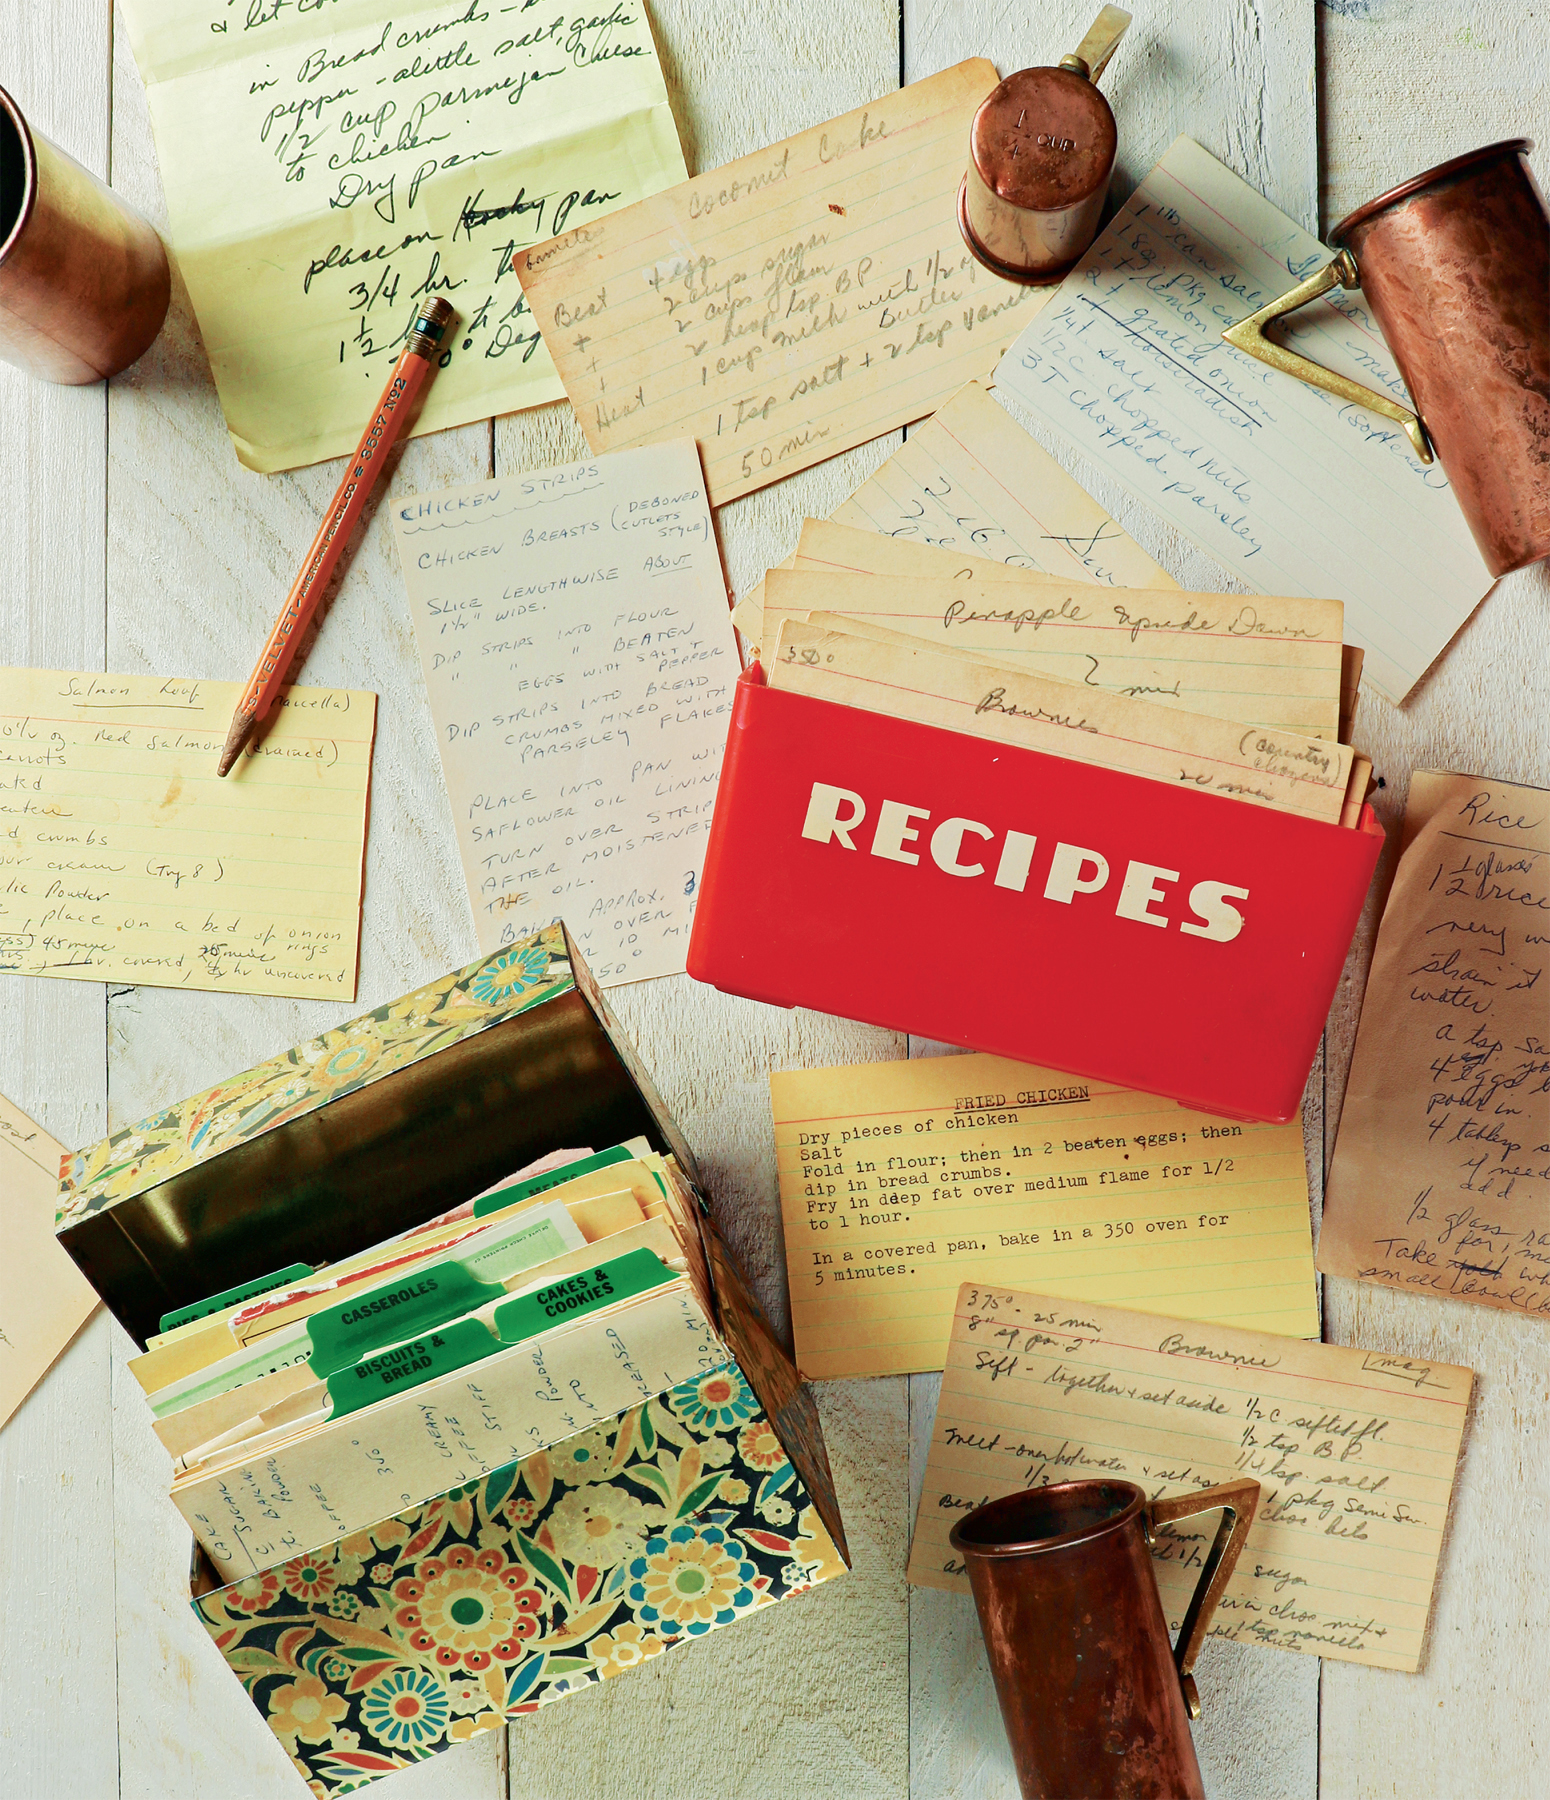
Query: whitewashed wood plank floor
column 132, row 540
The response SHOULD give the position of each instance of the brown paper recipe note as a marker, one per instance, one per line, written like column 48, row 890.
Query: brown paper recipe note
column 898, row 1180
column 788, row 305
column 1440, row 1182
column 1355, row 1452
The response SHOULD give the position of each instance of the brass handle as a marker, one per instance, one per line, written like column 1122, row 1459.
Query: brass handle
column 1248, row 335
column 1092, row 55
column 1238, row 1500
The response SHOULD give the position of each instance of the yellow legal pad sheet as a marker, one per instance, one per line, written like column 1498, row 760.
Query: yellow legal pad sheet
column 328, row 168
column 124, row 857
column 44, row 1298
column 899, row 1180
column 788, row 305
column 1355, row 1452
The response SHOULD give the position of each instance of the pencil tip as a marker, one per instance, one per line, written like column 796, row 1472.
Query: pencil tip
column 241, row 730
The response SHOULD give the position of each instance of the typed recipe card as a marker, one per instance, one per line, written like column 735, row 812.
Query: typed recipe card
column 899, row 1180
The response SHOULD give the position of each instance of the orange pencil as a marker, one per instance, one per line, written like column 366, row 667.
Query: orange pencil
column 413, row 370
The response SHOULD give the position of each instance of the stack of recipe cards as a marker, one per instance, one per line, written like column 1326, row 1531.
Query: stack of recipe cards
column 995, row 693
column 308, row 1412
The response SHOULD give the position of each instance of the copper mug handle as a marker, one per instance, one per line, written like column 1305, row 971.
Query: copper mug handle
column 1239, row 1501
column 1248, row 335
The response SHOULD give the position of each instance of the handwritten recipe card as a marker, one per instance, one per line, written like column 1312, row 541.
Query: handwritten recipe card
column 579, row 656
column 789, row 305
column 899, row 1180
column 909, row 679
column 124, row 857
column 969, row 479
column 1355, row 1452
column 329, row 168
column 1440, row 1182
column 1251, row 659
column 1292, row 490
column 44, row 1298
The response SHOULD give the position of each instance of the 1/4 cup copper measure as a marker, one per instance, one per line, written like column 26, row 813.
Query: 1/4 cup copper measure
column 1041, row 151
column 1455, row 267
column 1095, row 1700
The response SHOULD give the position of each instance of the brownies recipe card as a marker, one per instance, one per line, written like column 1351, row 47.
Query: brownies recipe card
column 1355, row 1452
column 579, row 657
column 1440, row 1182
column 788, row 305
column 899, row 1180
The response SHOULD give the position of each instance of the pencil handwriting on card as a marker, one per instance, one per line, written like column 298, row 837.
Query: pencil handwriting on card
column 327, row 168
column 1290, row 489
column 1256, row 764
column 1252, row 659
column 574, row 633
column 1441, row 1174
column 1355, row 1453
column 970, row 479
column 785, row 307
column 126, row 858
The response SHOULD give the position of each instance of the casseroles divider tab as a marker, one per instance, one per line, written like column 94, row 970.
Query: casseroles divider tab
column 415, row 1302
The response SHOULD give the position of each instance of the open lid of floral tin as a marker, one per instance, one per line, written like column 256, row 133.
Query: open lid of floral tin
column 358, row 1134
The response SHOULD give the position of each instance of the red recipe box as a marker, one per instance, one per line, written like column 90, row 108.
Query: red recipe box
column 1100, row 923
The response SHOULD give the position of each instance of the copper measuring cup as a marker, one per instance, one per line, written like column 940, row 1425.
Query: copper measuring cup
column 1455, row 266
column 84, row 282
column 1096, row 1702
column 1041, row 151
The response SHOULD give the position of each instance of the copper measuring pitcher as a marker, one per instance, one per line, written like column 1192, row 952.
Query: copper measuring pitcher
column 84, row 282
column 1096, row 1702
column 1455, row 266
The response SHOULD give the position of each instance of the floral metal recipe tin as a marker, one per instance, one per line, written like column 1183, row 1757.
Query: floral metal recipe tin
column 573, row 1565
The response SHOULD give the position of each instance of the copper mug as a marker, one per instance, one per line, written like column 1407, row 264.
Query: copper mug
column 84, row 282
column 1455, row 266
column 1095, row 1700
